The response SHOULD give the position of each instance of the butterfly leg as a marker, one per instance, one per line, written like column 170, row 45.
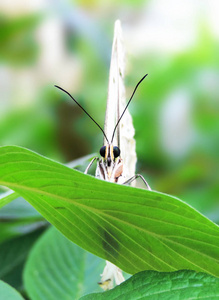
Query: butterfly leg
column 90, row 164
column 135, row 177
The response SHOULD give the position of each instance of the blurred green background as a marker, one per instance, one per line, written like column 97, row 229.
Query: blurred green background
column 175, row 111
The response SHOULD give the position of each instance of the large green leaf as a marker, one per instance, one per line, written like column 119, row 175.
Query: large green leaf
column 182, row 285
column 135, row 229
column 59, row 269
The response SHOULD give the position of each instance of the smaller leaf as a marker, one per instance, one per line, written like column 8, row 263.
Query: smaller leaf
column 7, row 197
column 8, row 293
column 76, row 163
column 59, row 269
column 18, row 218
column 182, row 285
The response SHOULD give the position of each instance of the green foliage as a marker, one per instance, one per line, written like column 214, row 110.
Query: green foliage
column 181, row 285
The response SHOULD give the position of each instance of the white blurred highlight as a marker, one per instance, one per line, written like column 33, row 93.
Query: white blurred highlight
column 175, row 122
column 171, row 26
column 55, row 63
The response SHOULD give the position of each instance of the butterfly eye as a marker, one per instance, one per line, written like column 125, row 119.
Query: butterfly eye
column 116, row 151
column 103, row 151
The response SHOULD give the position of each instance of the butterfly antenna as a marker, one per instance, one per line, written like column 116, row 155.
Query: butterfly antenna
column 127, row 106
column 83, row 110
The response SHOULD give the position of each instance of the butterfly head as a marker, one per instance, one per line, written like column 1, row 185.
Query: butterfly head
column 109, row 153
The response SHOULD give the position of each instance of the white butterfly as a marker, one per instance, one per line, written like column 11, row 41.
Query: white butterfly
column 118, row 156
